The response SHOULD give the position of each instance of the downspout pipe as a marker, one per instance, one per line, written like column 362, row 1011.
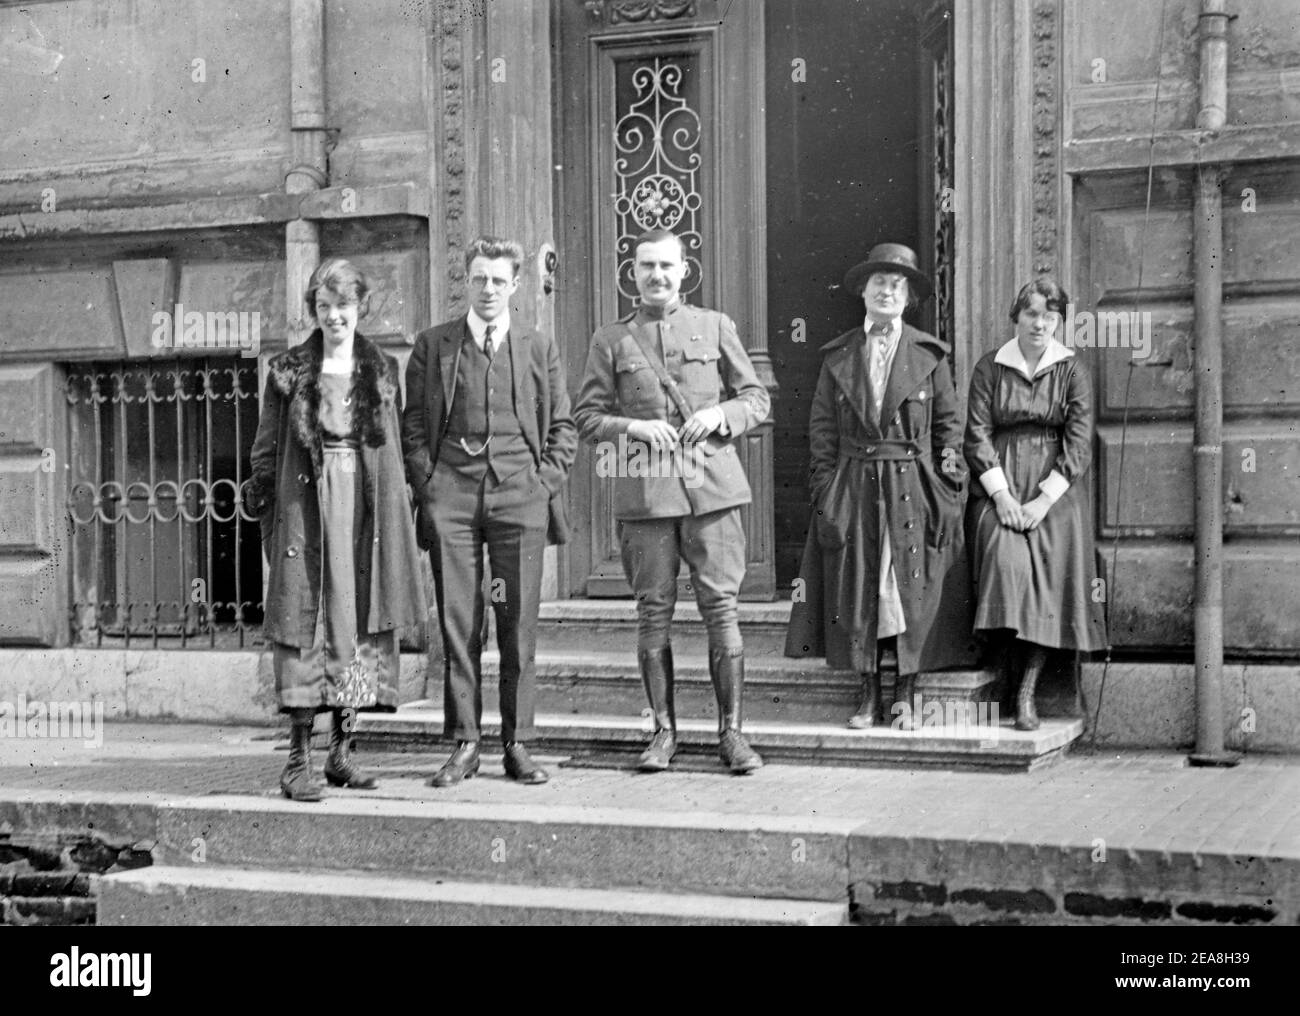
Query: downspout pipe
column 309, row 170
column 1207, row 256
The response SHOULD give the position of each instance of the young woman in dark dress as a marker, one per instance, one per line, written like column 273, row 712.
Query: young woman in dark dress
column 329, row 490
column 1029, row 427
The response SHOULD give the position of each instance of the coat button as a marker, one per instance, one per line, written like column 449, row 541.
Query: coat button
column 871, row 450
column 911, row 550
column 908, row 524
column 915, row 574
column 304, row 478
column 902, row 469
column 291, row 552
column 907, row 497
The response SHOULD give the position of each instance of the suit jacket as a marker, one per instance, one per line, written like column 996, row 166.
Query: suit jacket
column 703, row 354
column 540, row 400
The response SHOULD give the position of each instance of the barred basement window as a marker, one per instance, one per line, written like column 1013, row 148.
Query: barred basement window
column 162, row 547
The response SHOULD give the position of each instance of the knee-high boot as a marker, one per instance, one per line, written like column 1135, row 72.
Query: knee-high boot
column 657, row 676
column 297, row 782
column 727, row 670
column 340, row 770
column 1026, row 712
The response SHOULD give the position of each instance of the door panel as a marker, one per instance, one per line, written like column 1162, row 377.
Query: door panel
column 655, row 114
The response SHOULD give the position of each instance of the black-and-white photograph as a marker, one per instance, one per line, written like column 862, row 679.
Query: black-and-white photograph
column 651, row 462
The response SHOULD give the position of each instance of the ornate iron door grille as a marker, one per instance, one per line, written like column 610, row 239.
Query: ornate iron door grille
column 657, row 165
column 162, row 546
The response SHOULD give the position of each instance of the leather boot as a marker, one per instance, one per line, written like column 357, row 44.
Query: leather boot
column 657, row 676
column 1008, row 670
column 296, row 782
column 1026, row 713
column 868, row 714
column 339, row 768
column 727, row 669
column 905, row 705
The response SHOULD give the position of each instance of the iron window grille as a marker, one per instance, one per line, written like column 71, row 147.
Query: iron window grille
column 163, row 548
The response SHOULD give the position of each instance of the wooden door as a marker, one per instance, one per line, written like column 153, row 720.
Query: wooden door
column 659, row 119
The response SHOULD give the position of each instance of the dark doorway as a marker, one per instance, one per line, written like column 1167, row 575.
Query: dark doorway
column 848, row 108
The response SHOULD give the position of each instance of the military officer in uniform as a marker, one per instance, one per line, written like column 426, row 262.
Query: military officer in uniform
column 667, row 391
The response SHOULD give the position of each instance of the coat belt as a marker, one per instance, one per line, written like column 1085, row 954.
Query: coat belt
column 884, row 450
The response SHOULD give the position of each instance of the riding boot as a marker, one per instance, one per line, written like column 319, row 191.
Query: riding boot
column 657, row 676
column 296, row 782
column 339, row 768
column 1026, row 713
column 727, row 670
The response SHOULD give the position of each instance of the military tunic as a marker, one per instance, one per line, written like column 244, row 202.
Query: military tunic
column 683, row 504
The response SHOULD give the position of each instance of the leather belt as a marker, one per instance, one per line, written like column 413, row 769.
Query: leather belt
column 884, row 450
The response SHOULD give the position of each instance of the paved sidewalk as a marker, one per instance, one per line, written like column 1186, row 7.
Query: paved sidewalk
column 1145, row 801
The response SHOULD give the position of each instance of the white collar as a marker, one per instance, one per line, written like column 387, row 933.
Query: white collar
column 478, row 327
column 1009, row 355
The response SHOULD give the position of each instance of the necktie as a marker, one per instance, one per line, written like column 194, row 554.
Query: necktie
column 877, row 340
column 489, row 343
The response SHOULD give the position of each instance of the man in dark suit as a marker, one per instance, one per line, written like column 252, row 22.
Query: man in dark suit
column 651, row 401
column 488, row 442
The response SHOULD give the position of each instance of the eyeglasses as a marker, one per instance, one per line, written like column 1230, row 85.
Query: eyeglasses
column 483, row 281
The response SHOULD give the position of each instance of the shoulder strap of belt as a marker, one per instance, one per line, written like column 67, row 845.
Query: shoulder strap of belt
column 665, row 379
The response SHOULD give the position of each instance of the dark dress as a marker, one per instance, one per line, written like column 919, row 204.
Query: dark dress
column 1043, row 584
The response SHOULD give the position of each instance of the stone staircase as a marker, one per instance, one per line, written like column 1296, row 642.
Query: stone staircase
column 354, row 861
column 591, row 703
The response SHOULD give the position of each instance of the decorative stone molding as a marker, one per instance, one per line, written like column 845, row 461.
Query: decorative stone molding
column 453, row 96
column 1046, row 116
column 634, row 11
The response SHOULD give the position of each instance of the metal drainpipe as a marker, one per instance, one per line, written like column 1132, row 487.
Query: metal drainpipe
column 309, row 139
column 1207, row 255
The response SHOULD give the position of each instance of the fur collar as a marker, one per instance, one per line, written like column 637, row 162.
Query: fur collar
column 296, row 373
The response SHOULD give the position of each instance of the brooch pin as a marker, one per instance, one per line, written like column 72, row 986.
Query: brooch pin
column 921, row 395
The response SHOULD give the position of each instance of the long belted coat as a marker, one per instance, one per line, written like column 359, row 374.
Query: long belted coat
column 904, row 473
column 286, row 463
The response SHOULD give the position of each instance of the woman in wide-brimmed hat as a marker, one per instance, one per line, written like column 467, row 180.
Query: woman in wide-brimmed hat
column 884, row 565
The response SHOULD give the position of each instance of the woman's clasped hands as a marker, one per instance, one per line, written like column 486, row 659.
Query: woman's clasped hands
column 1020, row 517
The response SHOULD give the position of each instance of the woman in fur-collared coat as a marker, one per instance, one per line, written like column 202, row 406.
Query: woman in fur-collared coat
column 329, row 489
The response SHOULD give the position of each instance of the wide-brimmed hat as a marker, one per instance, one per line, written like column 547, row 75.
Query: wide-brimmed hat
column 888, row 257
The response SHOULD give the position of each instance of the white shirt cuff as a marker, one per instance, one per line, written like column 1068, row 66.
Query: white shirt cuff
column 994, row 480
column 1054, row 486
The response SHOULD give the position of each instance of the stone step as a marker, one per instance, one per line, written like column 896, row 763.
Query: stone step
column 503, row 841
column 569, row 625
column 973, row 740
column 175, row 896
column 777, row 688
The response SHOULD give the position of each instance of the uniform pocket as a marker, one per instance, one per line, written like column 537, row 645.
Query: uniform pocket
column 637, row 383
column 700, row 376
